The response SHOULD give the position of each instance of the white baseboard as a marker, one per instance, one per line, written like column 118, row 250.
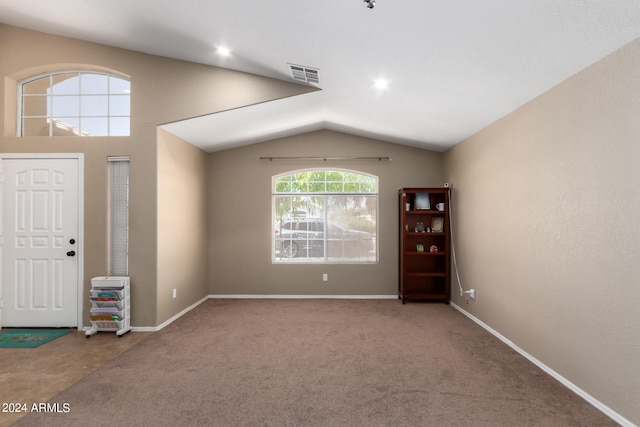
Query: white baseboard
column 586, row 396
column 245, row 296
column 168, row 321
column 146, row 328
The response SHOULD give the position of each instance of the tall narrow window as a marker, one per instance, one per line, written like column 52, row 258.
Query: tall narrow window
column 325, row 216
column 74, row 103
column 118, row 216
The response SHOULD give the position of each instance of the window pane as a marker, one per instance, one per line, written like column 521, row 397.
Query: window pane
column 351, row 187
column 334, row 176
column 119, row 86
column 300, row 177
column 35, row 127
column 299, row 186
column 65, row 106
column 94, row 105
column 94, row 84
column 317, row 187
column 37, row 87
column 334, row 187
column 66, row 84
column 67, row 126
column 119, row 105
column 367, row 187
column 34, row 106
column 299, row 228
column 95, row 126
column 119, row 126
column 317, row 176
column 283, row 187
column 351, row 228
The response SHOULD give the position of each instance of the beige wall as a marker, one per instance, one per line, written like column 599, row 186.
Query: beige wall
column 546, row 210
column 241, row 224
column 163, row 90
column 182, row 225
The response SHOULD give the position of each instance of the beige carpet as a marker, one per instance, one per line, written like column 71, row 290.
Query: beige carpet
column 320, row 363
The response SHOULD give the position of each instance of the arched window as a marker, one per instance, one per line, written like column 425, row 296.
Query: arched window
column 74, row 103
column 325, row 215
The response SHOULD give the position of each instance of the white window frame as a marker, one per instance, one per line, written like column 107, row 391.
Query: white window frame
column 279, row 253
column 50, row 117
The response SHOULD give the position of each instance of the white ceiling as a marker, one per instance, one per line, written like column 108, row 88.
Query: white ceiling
column 453, row 66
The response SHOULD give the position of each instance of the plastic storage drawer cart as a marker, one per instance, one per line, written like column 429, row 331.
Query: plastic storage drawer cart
column 110, row 305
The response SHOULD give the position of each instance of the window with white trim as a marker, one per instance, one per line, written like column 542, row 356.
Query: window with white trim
column 74, row 103
column 118, row 216
column 325, row 216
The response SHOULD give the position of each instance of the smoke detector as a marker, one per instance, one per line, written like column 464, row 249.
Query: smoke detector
column 304, row 74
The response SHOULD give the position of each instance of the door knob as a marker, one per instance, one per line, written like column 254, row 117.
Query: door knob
column 71, row 253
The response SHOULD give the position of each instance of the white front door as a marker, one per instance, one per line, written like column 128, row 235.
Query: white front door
column 40, row 241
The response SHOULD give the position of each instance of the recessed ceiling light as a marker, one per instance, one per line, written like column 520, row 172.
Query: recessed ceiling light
column 223, row 51
column 381, row 84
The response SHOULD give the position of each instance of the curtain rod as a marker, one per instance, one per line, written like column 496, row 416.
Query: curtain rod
column 325, row 158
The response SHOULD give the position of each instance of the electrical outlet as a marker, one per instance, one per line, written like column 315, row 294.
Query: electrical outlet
column 325, row 277
column 471, row 293
column 174, row 293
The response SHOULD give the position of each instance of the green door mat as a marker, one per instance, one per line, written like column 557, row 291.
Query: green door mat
column 29, row 338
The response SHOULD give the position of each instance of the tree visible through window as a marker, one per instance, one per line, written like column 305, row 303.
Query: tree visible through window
column 75, row 103
column 325, row 216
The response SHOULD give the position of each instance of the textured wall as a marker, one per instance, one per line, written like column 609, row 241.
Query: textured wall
column 546, row 217
column 182, row 225
column 240, row 214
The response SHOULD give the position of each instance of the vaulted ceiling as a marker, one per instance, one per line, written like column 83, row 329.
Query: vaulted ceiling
column 452, row 67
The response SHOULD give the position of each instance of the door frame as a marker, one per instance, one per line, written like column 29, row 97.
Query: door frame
column 80, row 248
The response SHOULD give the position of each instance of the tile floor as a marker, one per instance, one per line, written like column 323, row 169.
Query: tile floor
column 34, row 375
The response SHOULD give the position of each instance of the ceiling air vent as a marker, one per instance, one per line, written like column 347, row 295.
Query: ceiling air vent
column 304, row 74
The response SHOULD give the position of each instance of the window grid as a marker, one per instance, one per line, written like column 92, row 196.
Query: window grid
column 325, row 181
column 76, row 124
